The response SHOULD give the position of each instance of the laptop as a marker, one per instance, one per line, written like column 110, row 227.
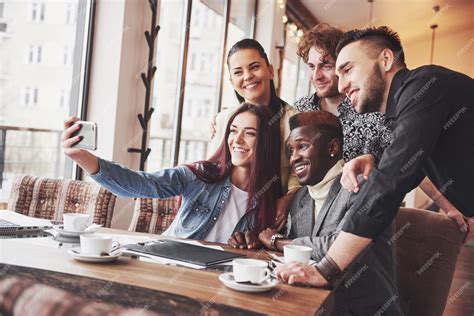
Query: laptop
column 12, row 223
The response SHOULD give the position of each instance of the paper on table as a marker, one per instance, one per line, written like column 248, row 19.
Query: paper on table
column 161, row 260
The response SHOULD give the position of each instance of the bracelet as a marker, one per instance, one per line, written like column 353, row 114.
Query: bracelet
column 273, row 240
column 328, row 269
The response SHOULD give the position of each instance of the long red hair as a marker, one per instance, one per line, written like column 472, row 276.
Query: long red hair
column 265, row 183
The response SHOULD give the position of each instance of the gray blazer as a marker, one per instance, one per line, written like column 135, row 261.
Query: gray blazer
column 368, row 288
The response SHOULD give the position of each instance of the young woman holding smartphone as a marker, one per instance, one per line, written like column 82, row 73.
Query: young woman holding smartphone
column 221, row 195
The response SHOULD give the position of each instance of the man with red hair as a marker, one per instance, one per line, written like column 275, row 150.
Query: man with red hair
column 434, row 122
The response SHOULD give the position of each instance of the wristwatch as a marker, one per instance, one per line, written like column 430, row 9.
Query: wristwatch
column 273, row 240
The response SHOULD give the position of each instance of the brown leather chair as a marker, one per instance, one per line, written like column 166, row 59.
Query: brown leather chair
column 154, row 216
column 22, row 296
column 50, row 198
column 428, row 245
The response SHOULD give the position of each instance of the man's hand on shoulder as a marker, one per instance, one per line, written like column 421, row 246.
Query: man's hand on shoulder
column 362, row 165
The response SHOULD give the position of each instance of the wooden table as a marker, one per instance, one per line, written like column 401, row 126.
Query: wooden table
column 160, row 288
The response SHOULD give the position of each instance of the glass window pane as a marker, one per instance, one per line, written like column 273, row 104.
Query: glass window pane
column 303, row 80
column 240, row 27
column 289, row 74
column 166, row 85
column 201, row 82
column 31, row 110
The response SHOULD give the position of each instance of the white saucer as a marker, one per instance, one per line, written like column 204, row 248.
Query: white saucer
column 228, row 280
column 282, row 261
column 70, row 233
column 76, row 253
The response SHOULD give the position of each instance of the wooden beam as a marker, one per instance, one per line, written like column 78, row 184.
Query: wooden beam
column 300, row 15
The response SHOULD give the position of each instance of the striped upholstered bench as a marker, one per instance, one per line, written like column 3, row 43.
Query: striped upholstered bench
column 154, row 216
column 50, row 198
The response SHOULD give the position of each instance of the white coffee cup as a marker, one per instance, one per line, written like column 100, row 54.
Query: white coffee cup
column 250, row 270
column 75, row 222
column 92, row 244
column 297, row 253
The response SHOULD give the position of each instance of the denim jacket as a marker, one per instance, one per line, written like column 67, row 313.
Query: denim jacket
column 202, row 202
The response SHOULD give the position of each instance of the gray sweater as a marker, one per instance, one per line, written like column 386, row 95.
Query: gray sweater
column 368, row 287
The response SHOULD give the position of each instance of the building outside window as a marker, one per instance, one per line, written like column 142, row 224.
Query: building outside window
column 64, row 97
column 71, row 16
column 37, row 11
column 30, row 118
column 203, row 75
column 67, row 55
column 34, row 54
column 2, row 8
column 30, row 96
column 166, row 83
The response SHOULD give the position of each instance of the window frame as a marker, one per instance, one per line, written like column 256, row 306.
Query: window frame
column 187, row 24
column 82, row 63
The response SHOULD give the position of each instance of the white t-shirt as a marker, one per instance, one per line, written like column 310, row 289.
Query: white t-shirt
column 234, row 209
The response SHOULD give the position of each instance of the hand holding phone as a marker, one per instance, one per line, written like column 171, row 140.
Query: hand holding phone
column 88, row 133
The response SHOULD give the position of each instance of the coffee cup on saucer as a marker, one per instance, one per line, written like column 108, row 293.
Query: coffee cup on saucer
column 76, row 222
column 250, row 270
column 95, row 244
column 297, row 253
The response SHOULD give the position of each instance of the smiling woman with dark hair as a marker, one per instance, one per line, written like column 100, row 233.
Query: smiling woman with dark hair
column 251, row 76
column 221, row 195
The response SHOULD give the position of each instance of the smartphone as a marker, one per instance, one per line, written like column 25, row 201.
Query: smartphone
column 88, row 131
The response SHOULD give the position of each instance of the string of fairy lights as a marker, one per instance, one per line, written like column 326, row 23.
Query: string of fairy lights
column 292, row 29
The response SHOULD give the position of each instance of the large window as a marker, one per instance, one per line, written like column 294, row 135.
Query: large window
column 295, row 75
column 202, row 83
column 203, row 74
column 166, row 83
column 35, row 90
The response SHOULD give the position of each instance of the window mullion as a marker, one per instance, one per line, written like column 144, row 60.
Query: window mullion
column 176, row 138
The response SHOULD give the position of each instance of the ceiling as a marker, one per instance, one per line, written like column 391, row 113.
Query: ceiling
column 410, row 18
